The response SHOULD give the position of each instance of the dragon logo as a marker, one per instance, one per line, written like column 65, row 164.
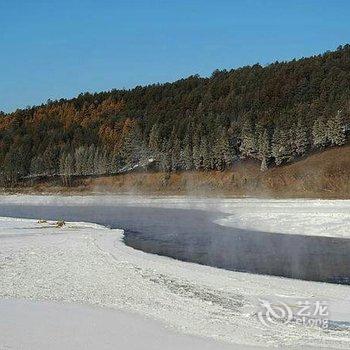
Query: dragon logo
column 274, row 313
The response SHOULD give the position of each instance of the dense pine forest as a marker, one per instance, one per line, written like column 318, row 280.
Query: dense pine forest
column 275, row 114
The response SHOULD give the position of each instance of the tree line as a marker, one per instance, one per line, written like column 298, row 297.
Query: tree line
column 274, row 114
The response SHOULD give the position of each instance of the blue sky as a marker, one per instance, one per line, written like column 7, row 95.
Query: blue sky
column 53, row 49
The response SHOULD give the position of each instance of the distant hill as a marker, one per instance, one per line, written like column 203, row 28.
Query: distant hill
column 273, row 115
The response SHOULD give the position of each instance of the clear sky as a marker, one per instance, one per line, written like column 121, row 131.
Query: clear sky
column 53, row 49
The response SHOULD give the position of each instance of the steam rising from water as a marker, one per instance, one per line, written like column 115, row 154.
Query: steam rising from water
column 190, row 232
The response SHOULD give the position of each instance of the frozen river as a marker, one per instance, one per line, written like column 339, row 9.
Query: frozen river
column 198, row 233
column 83, row 272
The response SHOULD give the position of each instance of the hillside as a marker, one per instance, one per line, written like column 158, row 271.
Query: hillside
column 248, row 120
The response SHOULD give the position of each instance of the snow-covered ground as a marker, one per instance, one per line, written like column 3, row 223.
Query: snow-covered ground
column 89, row 265
column 57, row 326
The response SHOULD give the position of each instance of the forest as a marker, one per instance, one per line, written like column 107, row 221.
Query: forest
column 275, row 114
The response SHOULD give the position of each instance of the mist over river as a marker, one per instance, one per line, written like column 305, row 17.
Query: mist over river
column 192, row 235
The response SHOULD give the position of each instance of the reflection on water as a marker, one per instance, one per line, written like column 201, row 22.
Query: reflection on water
column 190, row 235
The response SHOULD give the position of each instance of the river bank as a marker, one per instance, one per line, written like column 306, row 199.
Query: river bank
column 89, row 265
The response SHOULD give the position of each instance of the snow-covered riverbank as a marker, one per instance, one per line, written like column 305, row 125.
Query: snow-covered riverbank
column 89, row 265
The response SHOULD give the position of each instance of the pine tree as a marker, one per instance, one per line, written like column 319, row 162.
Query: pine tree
column 227, row 156
column 14, row 164
column 222, row 153
column 96, row 161
column 37, row 167
column 319, row 133
column 276, row 145
column 90, row 158
column 281, row 146
column 80, row 160
column 301, row 141
column 134, row 148
column 336, row 130
column 264, row 145
column 116, row 162
column 165, row 157
column 175, row 154
column 248, row 147
column 204, row 154
column 196, row 152
column 50, row 159
column 102, row 162
column 154, row 142
column 264, row 149
column 186, row 154
column 259, row 132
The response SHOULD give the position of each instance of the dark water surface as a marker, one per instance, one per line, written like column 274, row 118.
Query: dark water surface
column 190, row 235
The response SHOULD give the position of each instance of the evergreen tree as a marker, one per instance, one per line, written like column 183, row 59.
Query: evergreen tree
column 14, row 165
column 222, row 153
column 50, row 160
column 133, row 150
column 102, row 162
column 165, row 156
column 281, row 146
column 37, row 167
column 186, row 154
column 336, row 130
column 301, row 141
column 90, row 158
column 204, row 154
column 264, row 149
column 319, row 133
column 197, row 158
column 248, row 147
column 175, row 154
column 154, row 142
column 116, row 162
column 96, row 162
column 80, row 161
